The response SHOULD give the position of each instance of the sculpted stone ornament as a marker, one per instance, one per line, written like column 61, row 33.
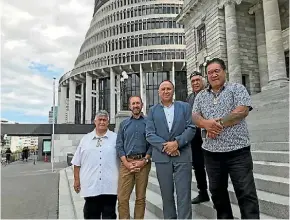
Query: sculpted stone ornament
column 222, row 3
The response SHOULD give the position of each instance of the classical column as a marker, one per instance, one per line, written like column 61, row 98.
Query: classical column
column 233, row 48
column 72, row 101
column 261, row 43
column 112, row 96
column 143, row 88
column 62, row 105
column 118, row 93
column 82, row 103
column 88, row 112
column 274, row 43
column 172, row 77
column 97, row 96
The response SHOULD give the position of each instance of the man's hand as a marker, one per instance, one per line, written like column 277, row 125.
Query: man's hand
column 213, row 126
column 139, row 163
column 170, row 147
column 77, row 185
column 211, row 135
column 129, row 165
column 175, row 153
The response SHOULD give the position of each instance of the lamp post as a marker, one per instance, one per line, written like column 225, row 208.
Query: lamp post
column 53, row 121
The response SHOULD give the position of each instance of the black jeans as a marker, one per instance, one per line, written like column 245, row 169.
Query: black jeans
column 239, row 165
column 198, row 161
column 100, row 206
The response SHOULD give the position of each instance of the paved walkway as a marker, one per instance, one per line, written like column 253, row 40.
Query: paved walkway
column 29, row 191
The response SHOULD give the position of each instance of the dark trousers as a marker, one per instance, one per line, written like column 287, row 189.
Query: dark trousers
column 102, row 206
column 198, row 163
column 239, row 165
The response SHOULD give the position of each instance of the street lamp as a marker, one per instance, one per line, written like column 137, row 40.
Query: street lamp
column 53, row 121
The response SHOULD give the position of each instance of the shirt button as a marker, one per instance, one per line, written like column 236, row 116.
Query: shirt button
column 100, row 178
column 100, row 158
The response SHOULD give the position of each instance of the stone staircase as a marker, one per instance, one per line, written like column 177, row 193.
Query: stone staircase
column 269, row 128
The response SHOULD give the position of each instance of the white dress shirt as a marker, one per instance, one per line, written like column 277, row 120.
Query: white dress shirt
column 97, row 157
column 169, row 114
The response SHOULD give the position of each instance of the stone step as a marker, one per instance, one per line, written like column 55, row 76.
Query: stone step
column 269, row 135
column 271, row 93
column 267, row 183
column 272, row 168
column 271, row 156
column 269, row 146
column 204, row 209
column 154, row 205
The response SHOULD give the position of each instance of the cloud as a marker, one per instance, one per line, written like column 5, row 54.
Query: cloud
column 40, row 40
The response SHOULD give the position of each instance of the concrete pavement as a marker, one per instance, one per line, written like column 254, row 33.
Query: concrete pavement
column 30, row 191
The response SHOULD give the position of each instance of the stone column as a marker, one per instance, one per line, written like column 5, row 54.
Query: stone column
column 72, row 101
column 143, row 88
column 233, row 48
column 112, row 96
column 261, row 43
column 118, row 93
column 172, row 77
column 82, row 103
column 97, row 96
column 88, row 112
column 62, row 105
column 274, row 44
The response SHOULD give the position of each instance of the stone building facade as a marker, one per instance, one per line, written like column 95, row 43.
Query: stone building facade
column 252, row 36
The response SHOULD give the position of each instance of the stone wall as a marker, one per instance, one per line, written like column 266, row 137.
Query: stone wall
column 208, row 14
column 64, row 144
column 248, row 47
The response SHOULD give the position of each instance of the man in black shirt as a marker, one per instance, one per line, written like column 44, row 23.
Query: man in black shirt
column 198, row 84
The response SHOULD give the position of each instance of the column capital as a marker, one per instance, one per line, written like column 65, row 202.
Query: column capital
column 222, row 3
column 256, row 7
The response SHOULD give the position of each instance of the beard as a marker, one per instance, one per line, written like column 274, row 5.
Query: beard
column 136, row 111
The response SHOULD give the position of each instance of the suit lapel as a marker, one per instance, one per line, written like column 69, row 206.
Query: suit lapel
column 175, row 117
column 163, row 117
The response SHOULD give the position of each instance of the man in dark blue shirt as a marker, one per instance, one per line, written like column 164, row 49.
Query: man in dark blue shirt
column 134, row 152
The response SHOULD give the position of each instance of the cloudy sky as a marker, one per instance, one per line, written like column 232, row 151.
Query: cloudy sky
column 40, row 39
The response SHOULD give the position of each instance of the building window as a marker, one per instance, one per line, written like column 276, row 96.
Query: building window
column 201, row 35
column 129, row 87
column 78, row 113
column 152, row 83
column 94, row 101
column 180, row 85
column 104, row 94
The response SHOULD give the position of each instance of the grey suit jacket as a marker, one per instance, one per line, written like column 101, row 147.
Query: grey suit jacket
column 183, row 130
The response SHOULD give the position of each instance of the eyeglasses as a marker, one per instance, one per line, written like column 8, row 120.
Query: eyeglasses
column 217, row 71
column 99, row 142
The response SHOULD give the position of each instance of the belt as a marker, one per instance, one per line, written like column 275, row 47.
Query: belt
column 136, row 156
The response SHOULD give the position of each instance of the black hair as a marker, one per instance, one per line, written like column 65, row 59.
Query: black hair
column 195, row 73
column 166, row 81
column 218, row 61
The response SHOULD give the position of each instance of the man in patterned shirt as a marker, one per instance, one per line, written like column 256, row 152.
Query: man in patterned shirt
column 221, row 109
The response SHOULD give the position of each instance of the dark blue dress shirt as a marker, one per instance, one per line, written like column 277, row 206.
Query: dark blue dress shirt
column 131, row 139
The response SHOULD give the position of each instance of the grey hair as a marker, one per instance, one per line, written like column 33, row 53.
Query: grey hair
column 102, row 113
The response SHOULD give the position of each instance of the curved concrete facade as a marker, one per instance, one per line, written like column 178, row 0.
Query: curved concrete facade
column 130, row 47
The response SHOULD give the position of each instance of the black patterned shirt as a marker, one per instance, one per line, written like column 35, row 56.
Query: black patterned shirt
column 210, row 106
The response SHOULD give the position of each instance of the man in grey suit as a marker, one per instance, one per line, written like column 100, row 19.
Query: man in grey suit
column 169, row 130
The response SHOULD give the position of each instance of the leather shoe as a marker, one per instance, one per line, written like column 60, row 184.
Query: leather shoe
column 202, row 197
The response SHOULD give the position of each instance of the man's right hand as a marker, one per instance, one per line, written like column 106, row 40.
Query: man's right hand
column 213, row 126
column 77, row 185
column 129, row 165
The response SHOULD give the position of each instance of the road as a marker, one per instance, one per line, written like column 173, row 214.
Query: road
column 29, row 191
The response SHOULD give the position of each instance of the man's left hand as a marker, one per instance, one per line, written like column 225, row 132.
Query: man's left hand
column 170, row 147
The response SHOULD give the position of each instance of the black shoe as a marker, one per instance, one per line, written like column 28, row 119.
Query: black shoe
column 202, row 197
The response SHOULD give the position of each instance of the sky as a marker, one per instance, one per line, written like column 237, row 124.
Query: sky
column 40, row 39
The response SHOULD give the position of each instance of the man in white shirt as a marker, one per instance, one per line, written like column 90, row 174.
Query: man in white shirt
column 96, row 170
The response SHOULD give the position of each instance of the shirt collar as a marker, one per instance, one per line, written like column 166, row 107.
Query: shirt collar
column 222, row 88
column 141, row 116
column 95, row 136
column 166, row 106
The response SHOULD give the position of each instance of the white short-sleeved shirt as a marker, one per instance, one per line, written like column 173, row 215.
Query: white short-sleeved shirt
column 97, row 157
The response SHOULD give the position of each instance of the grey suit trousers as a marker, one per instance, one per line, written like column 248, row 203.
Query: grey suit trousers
column 178, row 174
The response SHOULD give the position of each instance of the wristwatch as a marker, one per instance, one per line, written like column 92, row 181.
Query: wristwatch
column 146, row 159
